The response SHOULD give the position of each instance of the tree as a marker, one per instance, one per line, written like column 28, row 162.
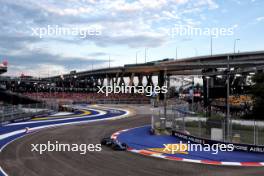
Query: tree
column 258, row 96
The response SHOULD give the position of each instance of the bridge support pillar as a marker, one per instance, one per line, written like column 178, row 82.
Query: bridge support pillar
column 101, row 81
column 161, row 82
column 131, row 79
column 122, row 81
column 140, row 80
column 115, row 80
column 108, row 80
column 149, row 80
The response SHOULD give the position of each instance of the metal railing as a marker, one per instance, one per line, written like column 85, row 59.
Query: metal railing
column 117, row 101
column 12, row 113
column 179, row 118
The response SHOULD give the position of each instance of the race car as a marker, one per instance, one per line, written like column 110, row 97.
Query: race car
column 114, row 144
column 107, row 141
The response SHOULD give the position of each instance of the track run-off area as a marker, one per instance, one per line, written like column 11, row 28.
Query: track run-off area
column 90, row 125
column 140, row 140
column 10, row 132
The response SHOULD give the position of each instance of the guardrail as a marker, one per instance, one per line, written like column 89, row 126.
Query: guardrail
column 113, row 101
column 100, row 101
column 15, row 113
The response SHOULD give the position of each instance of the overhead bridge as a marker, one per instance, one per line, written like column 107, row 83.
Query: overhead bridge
column 202, row 65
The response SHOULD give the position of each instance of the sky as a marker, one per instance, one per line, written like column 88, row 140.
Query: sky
column 120, row 30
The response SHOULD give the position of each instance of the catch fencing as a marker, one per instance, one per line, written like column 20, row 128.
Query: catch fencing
column 178, row 117
column 14, row 113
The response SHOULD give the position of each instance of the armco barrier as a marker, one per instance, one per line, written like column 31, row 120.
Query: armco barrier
column 237, row 147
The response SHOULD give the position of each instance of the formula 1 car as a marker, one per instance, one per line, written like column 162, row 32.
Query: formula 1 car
column 107, row 141
column 114, row 144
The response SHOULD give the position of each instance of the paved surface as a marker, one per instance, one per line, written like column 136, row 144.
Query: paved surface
column 18, row 160
column 141, row 141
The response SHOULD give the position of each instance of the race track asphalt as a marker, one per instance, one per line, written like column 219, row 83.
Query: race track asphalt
column 18, row 160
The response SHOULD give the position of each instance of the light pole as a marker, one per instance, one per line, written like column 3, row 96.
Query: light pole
column 227, row 99
column 36, row 87
column 48, row 86
column 62, row 81
column 193, row 94
column 137, row 56
column 196, row 51
column 109, row 61
column 235, row 43
column 211, row 45
column 146, row 49
column 75, row 83
column 208, row 96
column 176, row 53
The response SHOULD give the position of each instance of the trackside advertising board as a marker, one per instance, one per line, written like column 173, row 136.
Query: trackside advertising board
column 238, row 147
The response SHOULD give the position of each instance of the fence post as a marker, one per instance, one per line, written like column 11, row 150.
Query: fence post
column 12, row 114
column 255, row 137
column 231, row 129
column 152, row 120
column 174, row 119
column 183, row 122
column 199, row 126
column 2, row 118
column 257, row 134
column 224, row 130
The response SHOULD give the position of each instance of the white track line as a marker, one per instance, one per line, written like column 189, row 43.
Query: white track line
column 56, row 125
column 62, row 119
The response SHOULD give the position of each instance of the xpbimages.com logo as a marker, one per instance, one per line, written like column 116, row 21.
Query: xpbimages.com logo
column 56, row 31
column 62, row 147
column 185, row 148
column 188, row 30
column 148, row 90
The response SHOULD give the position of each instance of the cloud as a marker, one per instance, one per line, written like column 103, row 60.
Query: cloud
column 260, row 19
column 126, row 23
column 30, row 62
column 40, row 70
column 14, row 43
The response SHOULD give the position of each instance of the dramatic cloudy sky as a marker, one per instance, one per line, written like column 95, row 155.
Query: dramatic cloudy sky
column 126, row 27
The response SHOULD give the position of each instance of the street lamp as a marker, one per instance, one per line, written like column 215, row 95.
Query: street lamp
column 196, row 51
column 227, row 101
column 109, row 61
column 207, row 95
column 146, row 49
column 176, row 53
column 193, row 94
column 137, row 56
column 211, row 45
column 235, row 43
column 62, row 80
column 75, row 83
column 36, row 87
column 49, row 87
